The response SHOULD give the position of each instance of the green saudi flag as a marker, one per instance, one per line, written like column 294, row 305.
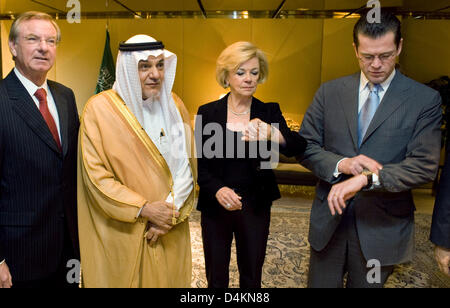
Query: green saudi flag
column 107, row 73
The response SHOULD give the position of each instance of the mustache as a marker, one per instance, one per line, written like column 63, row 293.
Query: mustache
column 154, row 83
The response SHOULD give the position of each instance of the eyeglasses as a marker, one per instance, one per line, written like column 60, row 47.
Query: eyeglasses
column 368, row 59
column 36, row 40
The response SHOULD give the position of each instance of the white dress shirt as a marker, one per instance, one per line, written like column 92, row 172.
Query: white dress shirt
column 32, row 88
column 364, row 89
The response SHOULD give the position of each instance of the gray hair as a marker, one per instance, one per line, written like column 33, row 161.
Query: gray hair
column 14, row 33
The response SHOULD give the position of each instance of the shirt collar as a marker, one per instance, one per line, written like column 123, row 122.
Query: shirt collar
column 28, row 84
column 384, row 85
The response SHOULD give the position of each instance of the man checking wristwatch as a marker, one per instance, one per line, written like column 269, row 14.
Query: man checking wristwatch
column 366, row 177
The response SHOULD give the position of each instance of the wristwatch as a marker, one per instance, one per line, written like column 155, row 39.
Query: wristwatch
column 369, row 176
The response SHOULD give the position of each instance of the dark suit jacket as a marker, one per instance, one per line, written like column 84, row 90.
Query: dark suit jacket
column 440, row 227
column 210, row 170
column 404, row 136
column 37, row 182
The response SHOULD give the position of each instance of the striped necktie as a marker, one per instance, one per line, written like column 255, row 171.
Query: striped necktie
column 368, row 110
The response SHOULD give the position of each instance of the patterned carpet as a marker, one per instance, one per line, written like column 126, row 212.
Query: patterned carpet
column 287, row 258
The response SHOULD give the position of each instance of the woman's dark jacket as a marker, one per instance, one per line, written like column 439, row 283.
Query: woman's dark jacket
column 210, row 170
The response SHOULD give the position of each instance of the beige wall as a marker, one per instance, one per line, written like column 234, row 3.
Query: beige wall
column 302, row 54
column 338, row 57
column 426, row 49
column 293, row 48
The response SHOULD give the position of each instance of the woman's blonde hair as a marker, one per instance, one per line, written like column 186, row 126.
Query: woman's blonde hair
column 234, row 55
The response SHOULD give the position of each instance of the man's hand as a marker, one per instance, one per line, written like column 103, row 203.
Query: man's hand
column 154, row 232
column 442, row 256
column 343, row 191
column 160, row 213
column 5, row 276
column 229, row 199
column 356, row 165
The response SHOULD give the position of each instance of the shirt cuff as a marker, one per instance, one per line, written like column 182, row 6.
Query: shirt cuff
column 140, row 211
column 336, row 172
column 169, row 199
column 3, row 261
column 376, row 180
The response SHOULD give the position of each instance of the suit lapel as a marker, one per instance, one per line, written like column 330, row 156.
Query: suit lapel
column 221, row 111
column 349, row 100
column 61, row 106
column 394, row 97
column 25, row 107
column 257, row 110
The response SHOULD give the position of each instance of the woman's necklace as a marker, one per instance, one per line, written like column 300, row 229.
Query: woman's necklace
column 238, row 113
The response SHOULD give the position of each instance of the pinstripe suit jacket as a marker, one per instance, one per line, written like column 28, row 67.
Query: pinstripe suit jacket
column 37, row 182
column 404, row 136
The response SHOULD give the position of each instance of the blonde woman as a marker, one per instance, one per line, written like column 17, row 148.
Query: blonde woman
column 236, row 191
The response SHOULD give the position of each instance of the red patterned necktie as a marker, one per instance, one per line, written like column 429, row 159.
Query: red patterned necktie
column 41, row 95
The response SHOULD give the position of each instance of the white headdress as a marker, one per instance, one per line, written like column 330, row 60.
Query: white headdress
column 158, row 116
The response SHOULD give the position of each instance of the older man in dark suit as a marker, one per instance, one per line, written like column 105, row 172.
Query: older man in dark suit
column 372, row 137
column 38, row 141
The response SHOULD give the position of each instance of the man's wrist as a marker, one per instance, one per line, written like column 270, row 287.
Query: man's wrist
column 364, row 180
column 337, row 172
column 140, row 210
column 369, row 178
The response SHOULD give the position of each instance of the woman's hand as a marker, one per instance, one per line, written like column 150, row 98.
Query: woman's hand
column 229, row 199
column 257, row 130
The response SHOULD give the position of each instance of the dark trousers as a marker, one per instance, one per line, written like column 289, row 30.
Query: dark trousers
column 343, row 255
column 57, row 279
column 250, row 227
